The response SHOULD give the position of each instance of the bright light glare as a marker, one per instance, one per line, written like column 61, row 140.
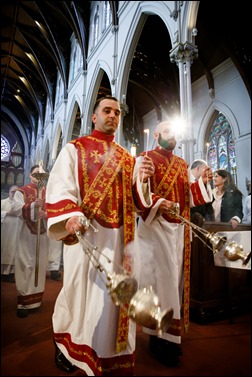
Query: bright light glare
column 178, row 126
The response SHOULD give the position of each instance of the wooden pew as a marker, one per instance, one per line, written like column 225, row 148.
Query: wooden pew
column 216, row 292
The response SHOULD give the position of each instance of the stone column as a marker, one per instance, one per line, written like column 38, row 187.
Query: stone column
column 183, row 54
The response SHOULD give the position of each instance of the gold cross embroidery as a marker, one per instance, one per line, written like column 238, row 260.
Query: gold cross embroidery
column 96, row 156
column 162, row 168
column 103, row 182
column 30, row 197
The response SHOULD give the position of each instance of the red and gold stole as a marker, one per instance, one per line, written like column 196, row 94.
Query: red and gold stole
column 30, row 193
column 167, row 185
column 115, row 160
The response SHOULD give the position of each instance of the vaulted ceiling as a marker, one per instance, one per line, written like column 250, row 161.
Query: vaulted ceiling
column 35, row 43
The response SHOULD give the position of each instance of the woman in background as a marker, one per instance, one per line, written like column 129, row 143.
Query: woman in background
column 227, row 202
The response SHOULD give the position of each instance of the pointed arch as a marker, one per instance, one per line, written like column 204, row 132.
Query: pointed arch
column 101, row 69
column 57, row 142
column 204, row 128
column 74, row 110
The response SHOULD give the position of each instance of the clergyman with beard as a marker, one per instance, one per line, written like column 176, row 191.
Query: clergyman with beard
column 165, row 240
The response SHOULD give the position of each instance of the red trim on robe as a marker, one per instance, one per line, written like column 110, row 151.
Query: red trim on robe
column 112, row 366
column 30, row 299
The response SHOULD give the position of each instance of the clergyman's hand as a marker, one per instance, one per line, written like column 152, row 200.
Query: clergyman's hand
column 73, row 225
column 165, row 207
column 39, row 203
column 146, row 169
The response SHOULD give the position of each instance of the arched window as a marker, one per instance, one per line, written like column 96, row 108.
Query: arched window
column 10, row 179
column 3, row 175
column 76, row 60
column 107, row 15
column 59, row 89
column 5, row 149
column 20, row 179
column 73, row 60
column 221, row 149
column 96, row 26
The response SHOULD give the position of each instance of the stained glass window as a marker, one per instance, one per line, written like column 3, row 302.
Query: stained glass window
column 5, row 148
column 221, row 151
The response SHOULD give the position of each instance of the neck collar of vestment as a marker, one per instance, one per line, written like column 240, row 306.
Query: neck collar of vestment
column 102, row 136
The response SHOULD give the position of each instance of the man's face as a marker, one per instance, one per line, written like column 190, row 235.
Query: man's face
column 107, row 116
column 33, row 179
column 199, row 171
column 166, row 138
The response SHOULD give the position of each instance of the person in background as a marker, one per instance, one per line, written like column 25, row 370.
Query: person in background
column 9, row 224
column 55, row 254
column 247, row 205
column 205, row 212
column 227, row 199
column 29, row 207
column 196, row 169
column 96, row 179
column 165, row 241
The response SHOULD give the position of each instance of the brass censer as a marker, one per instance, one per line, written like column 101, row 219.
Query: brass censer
column 143, row 305
column 232, row 251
